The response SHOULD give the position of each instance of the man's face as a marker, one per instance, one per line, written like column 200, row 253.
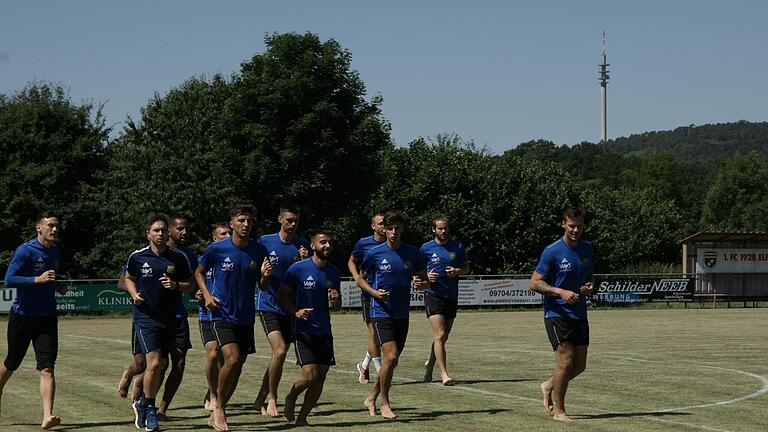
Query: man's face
column 48, row 229
column 393, row 232
column 242, row 224
column 288, row 222
column 322, row 245
column 220, row 233
column 158, row 233
column 178, row 231
column 377, row 225
column 441, row 230
column 574, row 228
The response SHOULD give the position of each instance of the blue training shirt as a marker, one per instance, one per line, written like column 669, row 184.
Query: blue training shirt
column 204, row 313
column 181, row 310
column 281, row 255
column 438, row 257
column 393, row 271
column 361, row 247
column 160, row 303
column 235, row 272
column 567, row 268
column 31, row 259
column 309, row 285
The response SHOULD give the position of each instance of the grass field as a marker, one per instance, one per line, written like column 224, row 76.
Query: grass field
column 648, row 370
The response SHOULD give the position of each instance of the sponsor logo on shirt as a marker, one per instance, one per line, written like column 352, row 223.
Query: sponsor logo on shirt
column 39, row 264
column 227, row 265
column 435, row 258
column 273, row 258
column 385, row 266
column 565, row 266
column 146, row 270
column 309, row 283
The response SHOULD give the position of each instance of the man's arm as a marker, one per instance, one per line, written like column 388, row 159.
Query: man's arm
column 539, row 284
column 211, row 302
column 14, row 278
column 352, row 266
column 334, row 299
column 130, row 287
column 457, row 271
column 284, row 298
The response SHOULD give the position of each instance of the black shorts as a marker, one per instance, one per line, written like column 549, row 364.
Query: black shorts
column 227, row 333
column 366, row 302
column 435, row 305
column 206, row 332
column 561, row 330
column 154, row 337
column 42, row 332
column 271, row 321
column 388, row 330
column 135, row 345
column 314, row 349
column 183, row 341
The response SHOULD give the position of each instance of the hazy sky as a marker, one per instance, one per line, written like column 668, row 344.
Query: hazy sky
column 498, row 73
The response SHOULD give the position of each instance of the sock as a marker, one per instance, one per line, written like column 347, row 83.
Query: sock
column 366, row 361
column 150, row 402
column 377, row 363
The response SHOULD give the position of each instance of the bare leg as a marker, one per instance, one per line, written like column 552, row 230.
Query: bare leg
column 389, row 358
column 309, row 374
column 314, row 391
column 228, row 376
column 136, row 368
column 441, row 328
column 5, row 375
column 565, row 355
column 172, row 383
column 373, row 349
column 275, row 369
column 211, row 373
column 47, row 394
column 259, row 403
column 153, row 376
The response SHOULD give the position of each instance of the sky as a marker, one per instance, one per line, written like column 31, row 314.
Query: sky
column 496, row 73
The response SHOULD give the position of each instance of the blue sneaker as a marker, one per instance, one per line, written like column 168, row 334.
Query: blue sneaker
column 140, row 411
column 151, row 419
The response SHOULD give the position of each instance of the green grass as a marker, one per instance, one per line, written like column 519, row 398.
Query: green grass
column 648, row 370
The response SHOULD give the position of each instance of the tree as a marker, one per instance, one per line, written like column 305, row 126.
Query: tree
column 50, row 150
column 738, row 198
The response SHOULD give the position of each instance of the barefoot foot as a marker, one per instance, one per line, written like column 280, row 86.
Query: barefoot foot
column 387, row 413
column 563, row 417
column 50, row 422
column 371, row 405
column 547, row 393
column 122, row 386
column 272, row 407
column 447, row 380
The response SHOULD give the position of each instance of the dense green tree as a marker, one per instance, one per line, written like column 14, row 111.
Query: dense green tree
column 738, row 198
column 50, row 150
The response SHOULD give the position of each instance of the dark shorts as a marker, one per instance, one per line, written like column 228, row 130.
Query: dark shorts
column 227, row 333
column 314, row 349
column 183, row 341
column 42, row 332
column 366, row 302
column 206, row 332
column 435, row 305
column 561, row 330
column 388, row 330
column 135, row 345
column 271, row 321
column 153, row 337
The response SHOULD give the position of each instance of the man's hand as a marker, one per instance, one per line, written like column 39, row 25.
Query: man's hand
column 419, row 283
column 381, row 295
column 452, row 271
column 303, row 314
column 570, row 297
column 303, row 252
column 433, row 275
column 137, row 300
column 587, row 289
column 167, row 282
column 333, row 295
column 46, row 277
column 212, row 303
column 266, row 267
column 199, row 295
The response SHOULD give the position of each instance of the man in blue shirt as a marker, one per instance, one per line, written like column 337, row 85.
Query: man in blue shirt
column 395, row 266
column 446, row 261
column 564, row 277
column 237, row 265
column 284, row 248
column 220, row 231
column 155, row 277
column 32, row 271
column 361, row 247
column 307, row 288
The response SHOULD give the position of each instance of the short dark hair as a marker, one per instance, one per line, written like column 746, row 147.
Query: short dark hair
column 438, row 218
column 45, row 215
column 219, row 225
column 290, row 208
column 151, row 219
column 377, row 214
column 311, row 234
column 393, row 218
column 242, row 209
column 574, row 213
column 179, row 216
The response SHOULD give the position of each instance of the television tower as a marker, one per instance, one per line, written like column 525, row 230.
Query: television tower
column 603, row 77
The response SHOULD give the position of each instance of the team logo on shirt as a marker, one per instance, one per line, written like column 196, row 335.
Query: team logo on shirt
column 385, row 266
column 227, row 265
column 565, row 266
column 209, row 274
column 408, row 264
column 170, row 269
column 254, row 264
column 273, row 258
column 435, row 258
column 39, row 264
column 585, row 260
column 146, row 270
column 309, row 283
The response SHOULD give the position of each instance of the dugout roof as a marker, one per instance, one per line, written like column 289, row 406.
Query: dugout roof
column 730, row 237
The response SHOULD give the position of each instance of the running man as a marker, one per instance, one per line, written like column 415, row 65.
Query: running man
column 213, row 359
column 237, row 264
column 307, row 288
column 564, row 277
column 395, row 267
column 32, row 319
column 155, row 277
column 362, row 246
column 284, row 248
column 446, row 261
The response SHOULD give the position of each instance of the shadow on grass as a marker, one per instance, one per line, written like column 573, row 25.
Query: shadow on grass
column 469, row 381
column 628, row 414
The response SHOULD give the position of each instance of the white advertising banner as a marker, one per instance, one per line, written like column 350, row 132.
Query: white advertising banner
column 716, row 260
column 472, row 292
column 6, row 299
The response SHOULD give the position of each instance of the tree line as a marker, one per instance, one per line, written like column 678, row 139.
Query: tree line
column 294, row 123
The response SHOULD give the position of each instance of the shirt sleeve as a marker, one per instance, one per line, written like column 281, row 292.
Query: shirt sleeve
column 15, row 277
column 131, row 267
column 290, row 277
column 420, row 263
column 357, row 253
column 205, row 259
column 185, row 267
column 461, row 255
column 545, row 264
